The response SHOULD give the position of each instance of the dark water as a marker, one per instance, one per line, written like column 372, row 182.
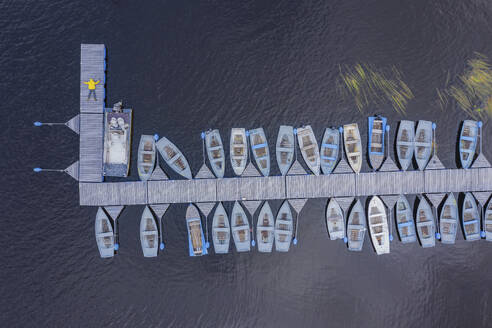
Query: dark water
column 185, row 66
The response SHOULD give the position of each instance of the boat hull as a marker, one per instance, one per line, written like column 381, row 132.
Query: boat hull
column 265, row 229
column 146, row 157
column 448, row 220
column 261, row 152
column 309, row 148
column 378, row 226
column 404, row 221
column 426, row 227
column 149, row 236
column 117, row 142
column 238, row 150
column 423, row 144
column 329, row 150
column 468, row 143
column 353, row 146
column 221, row 231
column 240, row 229
column 405, row 143
column 284, row 150
column 215, row 152
column 377, row 130
column 356, row 227
column 283, row 228
column 470, row 218
column 173, row 157
column 335, row 222
column 104, row 234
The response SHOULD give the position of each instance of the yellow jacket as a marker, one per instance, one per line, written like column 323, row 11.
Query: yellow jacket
column 91, row 84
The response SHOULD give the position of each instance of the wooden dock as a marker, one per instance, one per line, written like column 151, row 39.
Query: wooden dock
column 94, row 192
column 92, row 66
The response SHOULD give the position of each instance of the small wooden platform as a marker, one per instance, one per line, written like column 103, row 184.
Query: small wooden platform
column 92, row 65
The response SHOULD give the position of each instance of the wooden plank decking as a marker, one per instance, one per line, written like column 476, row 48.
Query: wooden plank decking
column 92, row 65
column 290, row 187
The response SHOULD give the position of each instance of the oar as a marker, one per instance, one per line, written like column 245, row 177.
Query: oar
column 49, row 124
column 115, row 235
column 390, row 226
column 38, row 169
column 482, row 213
column 297, row 228
column 161, row 246
column 438, row 228
column 251, row 230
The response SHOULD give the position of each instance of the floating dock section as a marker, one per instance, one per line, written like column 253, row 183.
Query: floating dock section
column 94, row 192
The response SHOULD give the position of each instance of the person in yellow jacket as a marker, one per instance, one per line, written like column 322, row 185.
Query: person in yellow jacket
column 91, row 84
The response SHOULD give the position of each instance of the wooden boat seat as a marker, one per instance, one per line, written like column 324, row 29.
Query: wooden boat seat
column 175, row 157
column 447, row 220
column 379, row 234
column 259, row 146
column 330, row 158
column 241, row 227
column 331, row 146
column 424, row 224
column 350, row 142
column 217, row 229
column 405, row 143
column 470, row 222
column 353, row 154
column 422, row 144
column 148, row 233
column 104, row 234
column 263, row 228
column 288, row 150
column 405, row 224
column 468, row 138
column 280, row 221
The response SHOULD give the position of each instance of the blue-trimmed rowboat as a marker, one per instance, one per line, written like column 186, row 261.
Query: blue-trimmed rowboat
column 146, row 157
column 174, row 157
column 285, row 148
column 404, row 143
column 404, row 220
column 149, row 236
column 426, row 226
column 329, row 150
column 375, row 145
column 470, row 218
column 356, row 227
column 240, row 228
column 261, row 153
column 448, row 221
column 221, row 230
column 423, row 143
column 196, row 240
column 335, row 222
column 265, row 229
column 104, row 234
column 468, row 142
column 283, row 228
column 215, row 152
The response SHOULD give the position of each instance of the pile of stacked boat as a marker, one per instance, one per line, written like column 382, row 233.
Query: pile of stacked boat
column 279, row 230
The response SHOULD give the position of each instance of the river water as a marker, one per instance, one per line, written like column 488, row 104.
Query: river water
column 186, row 66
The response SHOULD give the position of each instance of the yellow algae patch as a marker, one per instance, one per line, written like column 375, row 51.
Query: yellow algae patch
column 472, row 90
column 369, row 86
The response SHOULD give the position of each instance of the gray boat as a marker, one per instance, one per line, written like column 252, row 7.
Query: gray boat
column 448, row 221
column 146, row 157
column 470, row 218
column 261, row 153
column 173, row 157
column 426, row 227
column 283, row 228
column 404, row 143
column 375, row 141
column 104, row 234
column 335, row 222
column 221, row 231
column 468, row 142
column 238, row 150
column 404, row 221
column 149, row 236
column 240, row 228
column 423, row 143
column 285, row 148
column 309, row 148
column 356, row 227
column 117, row 140
column 353, row 146
column 488, row 222
column 265, row 229
column 329, row 150
column 215, row 152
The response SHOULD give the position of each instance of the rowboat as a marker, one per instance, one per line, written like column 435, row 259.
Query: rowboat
column 488, row 222
column 146, row 157
column 356, row 227
column 329, row 150
column 221, row 231
column 309, row 148
column 196, row 240
column 283, row 228
column 261, row 153
column 239, row 150
column 265, row 229
column 149, row 237
column 173, row 157
column 353, row 146
column 285, row 148
column 240, row 228
column 468, row 142
column 215, row 152
column 448, row 221
column 378, row 226
column 334, row 220
column 426, row 226
column 470, row 218
column 117, row 141
column 377, row 128
column 404, row 143
column 404, row 221
column 423, row 143
column 104, row 234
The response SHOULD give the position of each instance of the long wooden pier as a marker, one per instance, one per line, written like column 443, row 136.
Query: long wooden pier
column 298, row 185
